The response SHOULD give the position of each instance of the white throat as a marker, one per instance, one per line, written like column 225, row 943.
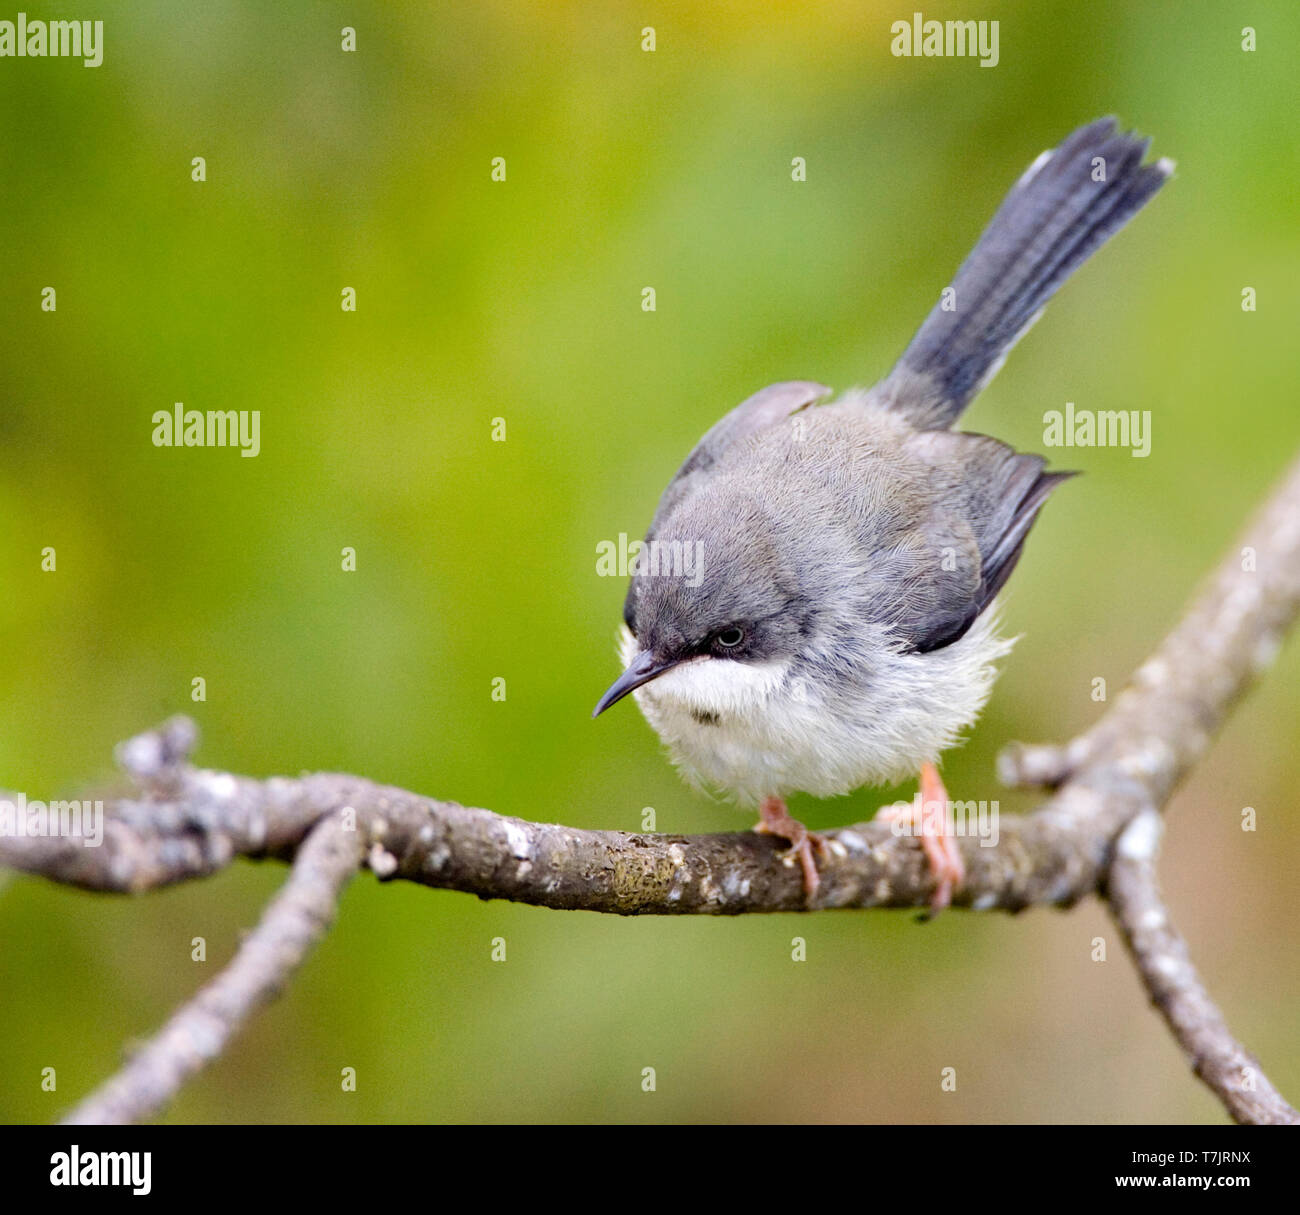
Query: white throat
column 710, row 685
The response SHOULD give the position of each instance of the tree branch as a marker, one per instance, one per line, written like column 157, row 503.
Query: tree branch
column 187, row 823
column 295, row 920
column 1171, row 981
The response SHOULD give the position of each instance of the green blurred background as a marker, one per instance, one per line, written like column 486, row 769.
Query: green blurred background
column 476, row 559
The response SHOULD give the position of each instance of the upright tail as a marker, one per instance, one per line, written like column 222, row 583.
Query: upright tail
column 1065, row 206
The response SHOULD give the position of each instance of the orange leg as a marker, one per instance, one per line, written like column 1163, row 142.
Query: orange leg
column 930, row 822
column 774, row 819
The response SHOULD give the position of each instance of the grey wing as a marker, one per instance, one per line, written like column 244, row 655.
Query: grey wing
column 765, row 408
column 983, row 499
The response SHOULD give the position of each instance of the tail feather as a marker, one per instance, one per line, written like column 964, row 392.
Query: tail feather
column 1055, row 217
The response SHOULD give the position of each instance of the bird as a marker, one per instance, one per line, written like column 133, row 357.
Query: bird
column 813, row 609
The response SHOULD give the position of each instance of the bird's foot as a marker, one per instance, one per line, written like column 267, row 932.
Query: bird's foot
column 929, row 820
column 774, row 819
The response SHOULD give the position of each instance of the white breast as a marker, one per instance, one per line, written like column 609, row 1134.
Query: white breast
column 755, row 730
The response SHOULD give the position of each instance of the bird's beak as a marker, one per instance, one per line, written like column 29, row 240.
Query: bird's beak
column 642, row 669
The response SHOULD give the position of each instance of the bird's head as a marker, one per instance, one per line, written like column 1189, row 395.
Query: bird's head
column 716, row 591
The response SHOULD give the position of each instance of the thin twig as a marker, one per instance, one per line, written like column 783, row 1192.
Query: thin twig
column 1166, row 969
column 294, row 921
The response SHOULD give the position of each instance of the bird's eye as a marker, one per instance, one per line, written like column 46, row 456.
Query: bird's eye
column 731, row 638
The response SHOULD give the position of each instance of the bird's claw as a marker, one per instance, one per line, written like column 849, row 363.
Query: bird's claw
column 928, row 819
column 776, row 821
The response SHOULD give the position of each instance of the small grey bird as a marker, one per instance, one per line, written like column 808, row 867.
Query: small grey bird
column 830, row 625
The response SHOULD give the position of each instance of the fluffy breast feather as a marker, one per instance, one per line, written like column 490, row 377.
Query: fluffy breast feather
column 805, row 726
